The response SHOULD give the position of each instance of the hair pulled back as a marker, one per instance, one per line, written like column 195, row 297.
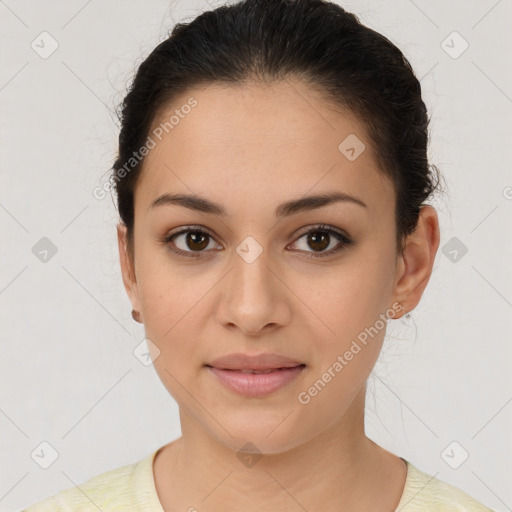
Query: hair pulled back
column 316, row 41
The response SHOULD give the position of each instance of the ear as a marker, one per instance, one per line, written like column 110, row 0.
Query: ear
column 415, row 264
column 127, row 268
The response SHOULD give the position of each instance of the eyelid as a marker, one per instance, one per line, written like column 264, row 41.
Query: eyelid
column 320, row 227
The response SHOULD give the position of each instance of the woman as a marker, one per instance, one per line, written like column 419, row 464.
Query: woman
column 272, row 180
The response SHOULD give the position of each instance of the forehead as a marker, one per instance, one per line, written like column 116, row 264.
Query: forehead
column 257, row 113
column 262, row 140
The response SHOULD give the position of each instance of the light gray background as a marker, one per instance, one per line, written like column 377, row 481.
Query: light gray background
column 68, row 373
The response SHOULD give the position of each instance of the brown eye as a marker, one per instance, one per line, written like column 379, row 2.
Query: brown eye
column 196, row 240
column 320, row 238
column 189, row 241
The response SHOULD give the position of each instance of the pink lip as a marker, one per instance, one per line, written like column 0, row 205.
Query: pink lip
column 265, row 361
column 256, row 385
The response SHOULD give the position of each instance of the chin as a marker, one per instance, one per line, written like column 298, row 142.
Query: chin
column 255, row 434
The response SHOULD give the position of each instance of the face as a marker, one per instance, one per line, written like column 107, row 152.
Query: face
column 309, row 284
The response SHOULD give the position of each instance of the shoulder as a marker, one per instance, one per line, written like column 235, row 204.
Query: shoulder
column 424, row 492
column 114, row 490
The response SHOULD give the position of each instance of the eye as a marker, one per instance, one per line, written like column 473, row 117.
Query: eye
column 321, row 237
column 195, row 241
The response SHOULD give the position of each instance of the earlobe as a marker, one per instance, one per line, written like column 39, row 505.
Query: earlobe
column 417, row 259
column 127, row 268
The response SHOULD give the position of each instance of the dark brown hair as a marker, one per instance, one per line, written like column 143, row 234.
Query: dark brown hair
column 271, row 40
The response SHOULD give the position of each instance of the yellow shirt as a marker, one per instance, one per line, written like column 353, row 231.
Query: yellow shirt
column 131, row 488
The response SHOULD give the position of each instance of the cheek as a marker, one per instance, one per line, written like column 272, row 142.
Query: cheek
column 350, row 297
column 351, row 302
column 346, row 353
column 168, row 292
column 169, row 301
column 177, row 341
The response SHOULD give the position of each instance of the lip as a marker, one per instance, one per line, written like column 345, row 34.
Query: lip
column 233, row 371
column 265, row 361
column 256, row 385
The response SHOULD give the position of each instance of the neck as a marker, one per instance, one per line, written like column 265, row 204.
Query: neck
column 341, row 465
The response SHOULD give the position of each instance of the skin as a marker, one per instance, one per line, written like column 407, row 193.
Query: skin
column 250, row 148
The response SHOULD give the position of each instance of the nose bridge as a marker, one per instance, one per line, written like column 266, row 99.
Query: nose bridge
column 253, row 298
column 251, row 284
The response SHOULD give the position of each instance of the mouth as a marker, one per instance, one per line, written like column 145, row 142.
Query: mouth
column 256, row 371
column 254, row 362
column 256, row 383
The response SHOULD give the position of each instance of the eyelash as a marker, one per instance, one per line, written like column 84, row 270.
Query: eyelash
column 345, row 241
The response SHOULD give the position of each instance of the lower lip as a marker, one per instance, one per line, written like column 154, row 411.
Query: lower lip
column 256, row 384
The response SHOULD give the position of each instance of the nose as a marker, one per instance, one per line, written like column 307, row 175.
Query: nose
column 253, row 298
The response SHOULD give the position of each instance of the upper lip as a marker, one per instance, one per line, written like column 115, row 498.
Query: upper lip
column 241, row 361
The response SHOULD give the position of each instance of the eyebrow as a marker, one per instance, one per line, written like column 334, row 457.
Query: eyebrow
column 201, row 204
